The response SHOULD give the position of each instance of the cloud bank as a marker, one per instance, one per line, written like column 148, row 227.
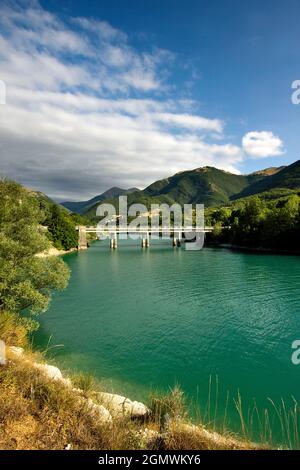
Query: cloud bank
column 86, row 110
column 262, row 144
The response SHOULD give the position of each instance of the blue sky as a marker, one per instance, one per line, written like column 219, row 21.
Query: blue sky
column 124, row 92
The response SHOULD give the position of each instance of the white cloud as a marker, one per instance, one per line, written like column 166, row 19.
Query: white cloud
column 101, row 28
column 262, row 144
column 86, row 110
column 39, row 28
column 189, row 121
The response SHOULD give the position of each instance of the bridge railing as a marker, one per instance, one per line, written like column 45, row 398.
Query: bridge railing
column 146, row 229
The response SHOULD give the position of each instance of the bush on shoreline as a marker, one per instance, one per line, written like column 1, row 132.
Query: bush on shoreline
column 256, row 223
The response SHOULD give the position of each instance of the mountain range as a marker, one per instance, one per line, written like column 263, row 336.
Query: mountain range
column 207, row 185
column 81, row 207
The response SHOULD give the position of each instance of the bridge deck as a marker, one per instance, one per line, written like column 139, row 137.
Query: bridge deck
column 149, row 230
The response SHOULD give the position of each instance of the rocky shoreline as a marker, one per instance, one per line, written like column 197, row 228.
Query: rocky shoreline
column 55, row 252
column 112, row 405
column 117, row 416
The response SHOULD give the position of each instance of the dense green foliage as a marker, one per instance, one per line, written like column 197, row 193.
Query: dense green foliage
column 26, row 280
column 61, row 228
column 61, row 224
column 288, row 177
column 256, row 222
column 207, row 185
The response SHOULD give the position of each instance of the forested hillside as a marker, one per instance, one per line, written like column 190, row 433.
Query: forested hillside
column 212, row 187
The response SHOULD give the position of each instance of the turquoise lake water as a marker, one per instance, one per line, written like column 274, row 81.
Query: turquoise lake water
column 144, row 320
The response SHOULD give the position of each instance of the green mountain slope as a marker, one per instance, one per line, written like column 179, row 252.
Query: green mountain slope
column 212, row 187
column 82, row 207
column 206, row 185
column 286, row 178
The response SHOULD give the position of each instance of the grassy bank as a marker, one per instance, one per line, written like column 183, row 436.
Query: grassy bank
column 37, row 412
column 41, row 412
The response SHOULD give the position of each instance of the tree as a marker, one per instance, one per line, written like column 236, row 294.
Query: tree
column 26, row 281
column 221, row 216
column 247, row 222
column 61, row 227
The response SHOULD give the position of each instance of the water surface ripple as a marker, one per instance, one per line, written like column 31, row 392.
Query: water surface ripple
column 142, row 320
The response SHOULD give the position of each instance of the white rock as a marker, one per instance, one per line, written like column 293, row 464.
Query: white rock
column 113, row 404
column 67, row 382
column 138, row 409
column 54, row 373
column 100, row 411
column 16, row 351
column 120, row 405
column 51, row 372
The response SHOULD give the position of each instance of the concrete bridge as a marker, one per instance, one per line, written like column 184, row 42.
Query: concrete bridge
column 175, row 233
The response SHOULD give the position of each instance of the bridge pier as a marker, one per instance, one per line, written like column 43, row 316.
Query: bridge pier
column 82, row 240
column 113, row 241
column 177, row 239
column 146, row 240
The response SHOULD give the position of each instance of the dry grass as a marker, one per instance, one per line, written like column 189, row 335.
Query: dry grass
column 167, row 407
column 183, row 436
column 169, row 412
column 12, row 329
column 39, row 413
